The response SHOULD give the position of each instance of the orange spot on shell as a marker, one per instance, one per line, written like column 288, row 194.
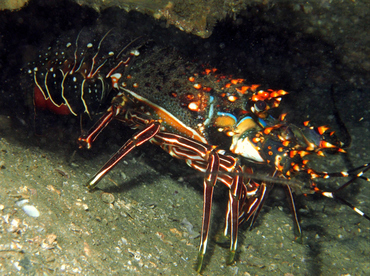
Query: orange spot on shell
column 255, row 140
column 236, row 81
column 197, row 86
column 274, row 94
column 254, row 87
column 286, row 143
column 242, row 89
column 232, row 98
column 192, row 79
column 282, row 92
column 322, row 129
column 189, row 96
column 193, row 106
column 282, row 116
column 267, row 130
column 264, row 94
column 255, row 98
column 303, row 153
column 324, row 144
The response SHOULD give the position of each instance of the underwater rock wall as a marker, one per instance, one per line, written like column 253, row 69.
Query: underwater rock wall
column 340, row 23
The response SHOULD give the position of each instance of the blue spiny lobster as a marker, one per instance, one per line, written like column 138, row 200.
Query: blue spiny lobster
column 216, row 123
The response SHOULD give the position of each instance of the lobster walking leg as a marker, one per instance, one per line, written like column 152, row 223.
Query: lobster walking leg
column 289, row 192
column 138, row 139
column 208, row 184
column 234, row 198
column 204, row 158
column 86, row 140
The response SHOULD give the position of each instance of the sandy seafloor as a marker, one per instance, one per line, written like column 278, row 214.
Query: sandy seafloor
column 146, row 217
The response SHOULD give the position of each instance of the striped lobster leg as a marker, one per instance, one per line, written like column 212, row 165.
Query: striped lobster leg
column 231, row 175
column 204, row 158
column 138, row 139
column 198, row 155
column 235, row 193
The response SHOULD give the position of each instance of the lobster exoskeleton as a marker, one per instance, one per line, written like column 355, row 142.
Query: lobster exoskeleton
column 219, row 125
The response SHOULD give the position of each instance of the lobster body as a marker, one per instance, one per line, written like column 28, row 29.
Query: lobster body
column 218, row 124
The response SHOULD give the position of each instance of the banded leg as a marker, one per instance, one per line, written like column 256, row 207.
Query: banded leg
column 298, row 230
column 256, row 202
column 93, row 133
column 208, row 185
column 350, row 173
column 255, row 197
column 233, row 212
column 363, row 169
column 204, row 158
column 138, row 139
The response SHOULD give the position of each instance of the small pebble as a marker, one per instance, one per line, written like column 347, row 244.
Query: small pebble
column 21, row 202
column 31, row 211
column 123, row 175
column 107, row 197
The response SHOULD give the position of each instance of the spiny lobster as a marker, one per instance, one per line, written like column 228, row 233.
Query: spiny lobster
column 217, row 124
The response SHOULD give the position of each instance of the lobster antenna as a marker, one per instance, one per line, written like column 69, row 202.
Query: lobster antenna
column 339, row 120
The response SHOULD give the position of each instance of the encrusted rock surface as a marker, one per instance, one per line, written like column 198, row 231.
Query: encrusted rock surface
column 343, row 24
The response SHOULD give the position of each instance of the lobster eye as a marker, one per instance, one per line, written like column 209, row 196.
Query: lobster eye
column 260, row 106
